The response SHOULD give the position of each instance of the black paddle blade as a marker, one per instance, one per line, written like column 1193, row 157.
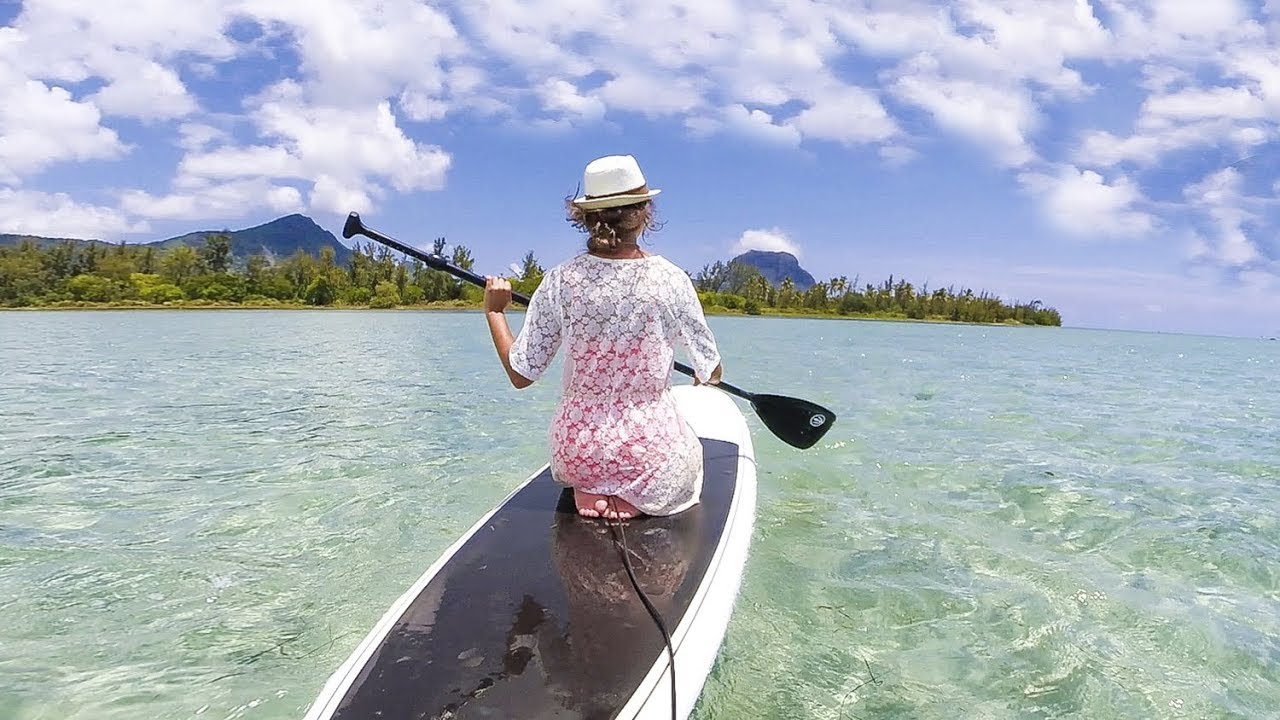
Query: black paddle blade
column 796, row 422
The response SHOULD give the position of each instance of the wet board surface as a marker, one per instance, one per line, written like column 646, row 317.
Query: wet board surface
column 534, row 616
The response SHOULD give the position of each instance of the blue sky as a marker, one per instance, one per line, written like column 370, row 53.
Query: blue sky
column 1081, row 152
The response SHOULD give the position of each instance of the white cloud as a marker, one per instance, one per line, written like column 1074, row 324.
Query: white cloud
column 1196, row 103
column 331, row 127
column 1007, row 42
column 129, row 46
column 563, row 97
column 348, row 156
column 58, row 215
column 90, row 35
column 1198, row 19
column 1186, row 32
column 760, row 125
column 754, row 124
column 208, row 201
column 464, row 89
column 771, row 240
column 355, row 53
column 532, row 31
column 1156, row 141
column 898, row 155
column 1221, row 198
column 846, row 114
column 195, row 136
column 423, row 107
column 362, row 143
column 337, row 132
column 42, row 125
column 1083, row 203
column 1000, row 118
column 229, row 162
column 146, row 90
column 651, row 94
column 1260, row 67
column 340, row 196
column 719, row 65
column 1159, row 78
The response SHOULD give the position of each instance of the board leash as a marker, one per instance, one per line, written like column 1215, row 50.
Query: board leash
column 620, row 540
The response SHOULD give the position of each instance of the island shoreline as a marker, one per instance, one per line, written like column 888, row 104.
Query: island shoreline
column 475, row 308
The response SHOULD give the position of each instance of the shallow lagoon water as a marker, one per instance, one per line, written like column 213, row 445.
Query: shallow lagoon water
column 201, row 513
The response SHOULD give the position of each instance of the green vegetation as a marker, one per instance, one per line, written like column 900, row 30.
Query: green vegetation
column 92, row 274
column 88, row 274
column 737, row 287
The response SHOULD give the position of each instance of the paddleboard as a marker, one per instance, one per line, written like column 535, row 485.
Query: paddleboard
column 531, row 614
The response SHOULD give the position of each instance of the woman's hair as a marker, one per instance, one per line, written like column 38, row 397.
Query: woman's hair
column 605, row 227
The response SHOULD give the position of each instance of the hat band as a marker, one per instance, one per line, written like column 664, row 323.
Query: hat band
column 642, row 190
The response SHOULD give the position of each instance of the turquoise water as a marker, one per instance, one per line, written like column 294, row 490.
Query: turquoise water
column 201, row 513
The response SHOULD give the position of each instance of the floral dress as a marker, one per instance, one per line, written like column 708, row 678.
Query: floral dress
column 616, row 430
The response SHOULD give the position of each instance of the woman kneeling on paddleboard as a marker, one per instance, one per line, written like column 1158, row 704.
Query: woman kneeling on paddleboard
column 616, row 437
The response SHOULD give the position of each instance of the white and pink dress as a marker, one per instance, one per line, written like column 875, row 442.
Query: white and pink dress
column 616, row 430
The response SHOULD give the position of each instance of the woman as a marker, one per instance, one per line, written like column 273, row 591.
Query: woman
column 616, row 437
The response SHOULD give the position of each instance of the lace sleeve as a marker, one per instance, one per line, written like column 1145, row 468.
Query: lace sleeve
column 539, row 339
column 694, row 332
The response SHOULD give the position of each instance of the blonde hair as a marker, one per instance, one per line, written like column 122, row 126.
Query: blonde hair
column 605, row 227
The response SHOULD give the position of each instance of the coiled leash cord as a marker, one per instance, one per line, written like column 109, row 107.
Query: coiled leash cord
column 620, row 540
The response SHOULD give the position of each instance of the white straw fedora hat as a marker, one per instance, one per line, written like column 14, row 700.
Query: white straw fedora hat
column 612, row 181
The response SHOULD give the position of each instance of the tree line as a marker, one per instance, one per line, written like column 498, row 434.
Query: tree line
column 34, row 274
column 73, row 273
column 737, row 286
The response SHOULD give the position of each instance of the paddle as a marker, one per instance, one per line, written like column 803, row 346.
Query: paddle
column 796, row 422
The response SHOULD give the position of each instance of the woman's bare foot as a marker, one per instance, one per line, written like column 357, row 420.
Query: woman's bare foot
column 589, row 504
column 615, row 508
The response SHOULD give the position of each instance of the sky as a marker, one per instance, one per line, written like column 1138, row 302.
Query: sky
column 1116, row 159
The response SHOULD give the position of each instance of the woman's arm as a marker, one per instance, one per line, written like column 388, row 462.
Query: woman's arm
column 497, row 296
column 696, row 334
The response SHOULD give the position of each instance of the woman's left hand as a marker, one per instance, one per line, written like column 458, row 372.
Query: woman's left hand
column 497, row 294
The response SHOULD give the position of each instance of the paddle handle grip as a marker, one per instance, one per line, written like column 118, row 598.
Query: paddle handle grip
column 732, row 390
column 354, row 226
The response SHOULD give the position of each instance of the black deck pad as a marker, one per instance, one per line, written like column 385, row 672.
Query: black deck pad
column 534, row 616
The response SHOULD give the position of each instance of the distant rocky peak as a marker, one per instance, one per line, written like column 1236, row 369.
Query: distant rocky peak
column 776, row 266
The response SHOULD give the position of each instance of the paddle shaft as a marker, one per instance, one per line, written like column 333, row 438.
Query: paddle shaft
column 438, row 262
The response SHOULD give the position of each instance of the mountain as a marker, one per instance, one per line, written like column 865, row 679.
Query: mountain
column 279, row 238
column 41, row 242
column 775, row 266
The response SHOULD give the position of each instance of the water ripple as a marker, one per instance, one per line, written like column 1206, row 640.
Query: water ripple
column 202, row 512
